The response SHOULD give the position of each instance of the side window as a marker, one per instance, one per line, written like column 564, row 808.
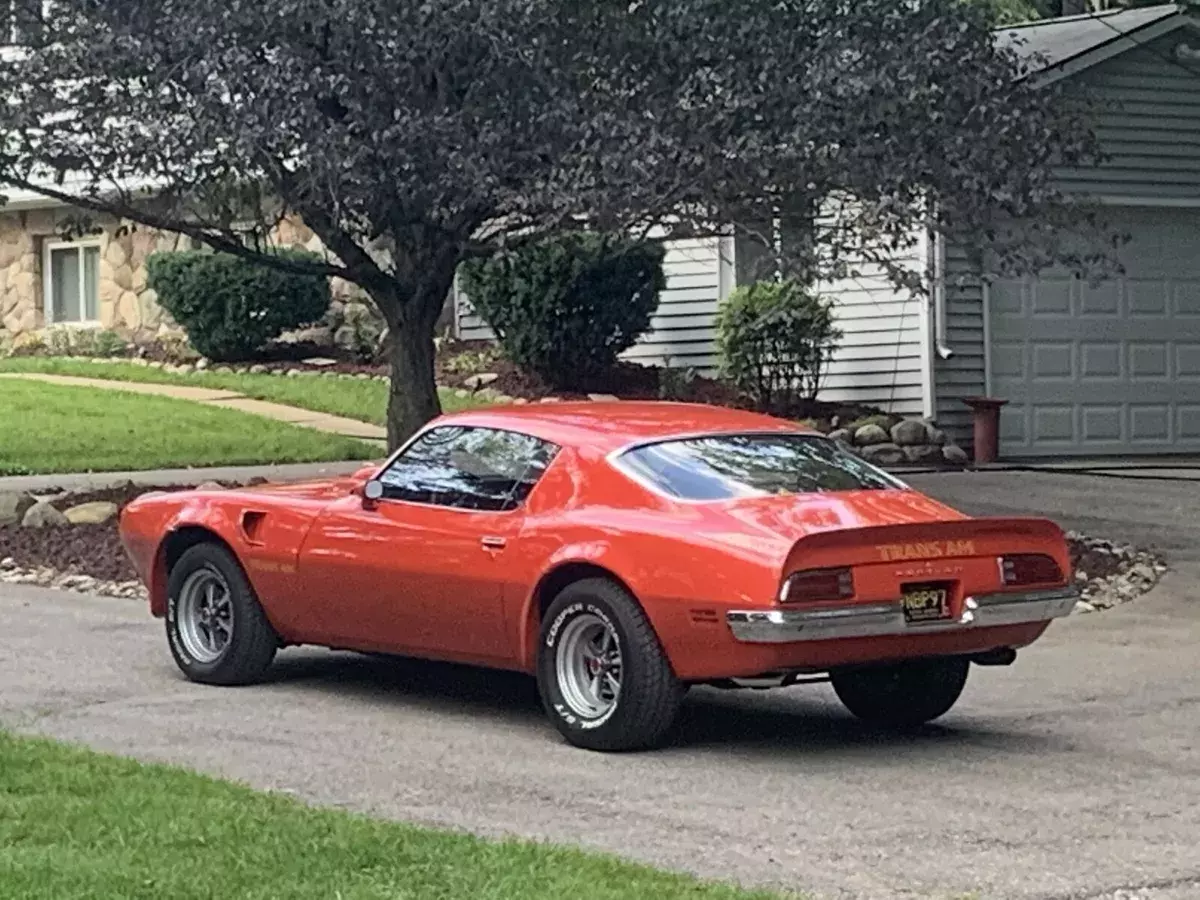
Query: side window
column 468, row 468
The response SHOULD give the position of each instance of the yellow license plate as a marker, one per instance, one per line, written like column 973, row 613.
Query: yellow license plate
column 925, row 604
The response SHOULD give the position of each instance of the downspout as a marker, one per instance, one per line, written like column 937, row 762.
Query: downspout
column 939, row 297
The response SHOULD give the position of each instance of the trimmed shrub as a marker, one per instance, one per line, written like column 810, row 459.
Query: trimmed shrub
column 775, row 340
column 229, row 306
column 566, row 308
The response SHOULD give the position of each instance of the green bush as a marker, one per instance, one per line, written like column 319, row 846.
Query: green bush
column 230, row 307
column 775, row 340
column 566, row 308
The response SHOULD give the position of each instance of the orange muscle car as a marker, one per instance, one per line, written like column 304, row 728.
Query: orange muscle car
column 620, row 552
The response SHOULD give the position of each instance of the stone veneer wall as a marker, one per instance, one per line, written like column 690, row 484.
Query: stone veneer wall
column 127, row 304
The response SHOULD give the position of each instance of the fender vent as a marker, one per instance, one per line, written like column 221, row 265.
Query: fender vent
column 252, row 521
column 704, row 617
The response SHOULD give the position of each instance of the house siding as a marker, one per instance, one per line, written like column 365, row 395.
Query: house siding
column 879, row 361
column 1147, row 119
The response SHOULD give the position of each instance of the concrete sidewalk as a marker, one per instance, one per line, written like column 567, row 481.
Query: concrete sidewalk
column 305, row 418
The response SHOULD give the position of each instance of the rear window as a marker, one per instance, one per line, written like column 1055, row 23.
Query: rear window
column 723, row 467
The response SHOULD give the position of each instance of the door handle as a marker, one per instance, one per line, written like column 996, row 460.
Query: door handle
column 493, row 543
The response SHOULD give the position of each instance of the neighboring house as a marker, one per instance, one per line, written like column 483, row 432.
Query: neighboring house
column 1086, row 371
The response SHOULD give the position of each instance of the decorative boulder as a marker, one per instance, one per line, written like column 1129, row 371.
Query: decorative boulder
column 13, row 507
column 923, row 453
column 477, row 382
column 910, row 433
column 43, row 515
column 842, row 435
column 883, row 454
column 953, row 454
column 869, row 435
column 96, row 513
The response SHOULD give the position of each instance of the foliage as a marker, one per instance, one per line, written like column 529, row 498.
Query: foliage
column 92, row 342
column 229, row 306
column 775, row 340
column 472, row 362
column 566, row 308
column 413, row 136
column 675, row 383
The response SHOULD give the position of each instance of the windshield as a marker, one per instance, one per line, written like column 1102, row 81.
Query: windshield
column 723, row 467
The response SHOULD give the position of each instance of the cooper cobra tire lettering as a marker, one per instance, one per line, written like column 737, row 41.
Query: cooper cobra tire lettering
column 649, row 695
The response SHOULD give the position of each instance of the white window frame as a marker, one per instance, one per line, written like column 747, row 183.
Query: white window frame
column 48, row 281
column 9, row 36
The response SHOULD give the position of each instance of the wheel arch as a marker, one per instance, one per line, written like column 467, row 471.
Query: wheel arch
column 550, row 585
column 177, row 542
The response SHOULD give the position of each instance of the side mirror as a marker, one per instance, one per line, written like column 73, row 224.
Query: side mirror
column 372, row 490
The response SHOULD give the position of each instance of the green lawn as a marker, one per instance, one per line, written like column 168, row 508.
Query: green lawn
column 54, row 428
column 352, row 398
column 80, row 825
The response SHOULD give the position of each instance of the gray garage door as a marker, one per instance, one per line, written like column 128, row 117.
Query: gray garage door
column 1113, row 368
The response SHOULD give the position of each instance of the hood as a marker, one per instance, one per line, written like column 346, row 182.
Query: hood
column 789, row 517
column 317, row 489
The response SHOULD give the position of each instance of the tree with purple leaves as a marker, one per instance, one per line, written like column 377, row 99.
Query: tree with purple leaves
column 411, row 136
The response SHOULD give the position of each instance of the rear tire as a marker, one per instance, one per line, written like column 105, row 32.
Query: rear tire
column 603, row 677
column 902, row 695
column 216, row 628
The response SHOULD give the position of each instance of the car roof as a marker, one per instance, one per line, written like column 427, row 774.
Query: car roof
column 611, row 425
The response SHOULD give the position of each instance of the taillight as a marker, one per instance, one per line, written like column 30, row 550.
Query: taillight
column 817, row 584
column 1030, row 568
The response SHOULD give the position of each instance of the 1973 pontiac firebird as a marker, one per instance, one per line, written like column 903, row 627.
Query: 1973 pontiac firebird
column 620, row 552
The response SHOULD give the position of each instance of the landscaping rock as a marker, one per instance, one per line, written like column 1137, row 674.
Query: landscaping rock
column 869, row 435
column 910, row 433
column 476, row 382
column 258, row 369
column 883, row 454
column 842, row 436
column 937, row 436
column 603, row 398
column 13, row 507
column 201, row 364
column 923, row 453
column 320, row 361
column 210, row 486
column 551, row 400
column 43, row 515
column 953, row 454
column 96, row 513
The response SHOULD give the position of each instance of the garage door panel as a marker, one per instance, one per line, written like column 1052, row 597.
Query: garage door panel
column 1113, row 367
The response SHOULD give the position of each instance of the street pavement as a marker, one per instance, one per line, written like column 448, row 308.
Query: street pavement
column 1073, row 775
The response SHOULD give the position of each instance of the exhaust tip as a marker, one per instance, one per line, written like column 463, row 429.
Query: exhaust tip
column 1001, row 656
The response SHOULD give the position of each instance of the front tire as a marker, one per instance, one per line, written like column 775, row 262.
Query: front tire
column 603, row 677
column 902, row 695
column 216, row 629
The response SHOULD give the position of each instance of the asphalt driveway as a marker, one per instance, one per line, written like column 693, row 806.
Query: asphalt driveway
column 1074, row 774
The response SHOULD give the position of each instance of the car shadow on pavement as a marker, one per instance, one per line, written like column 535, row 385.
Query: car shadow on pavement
column 798, row 720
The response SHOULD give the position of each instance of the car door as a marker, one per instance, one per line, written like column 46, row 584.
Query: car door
column 425, row 567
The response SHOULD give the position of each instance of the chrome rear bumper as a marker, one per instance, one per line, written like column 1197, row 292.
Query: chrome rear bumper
column 782, row 626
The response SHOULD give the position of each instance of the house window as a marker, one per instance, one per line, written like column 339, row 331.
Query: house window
column 22, row 22
column 72, row 283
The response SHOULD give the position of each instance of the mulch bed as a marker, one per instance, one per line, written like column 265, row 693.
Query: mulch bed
column 96, row 550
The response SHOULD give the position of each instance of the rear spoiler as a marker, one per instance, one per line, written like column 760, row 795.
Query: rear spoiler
column 958, row 539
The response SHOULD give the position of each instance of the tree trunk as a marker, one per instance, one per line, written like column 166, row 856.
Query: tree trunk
column 413, row 397
column 411, row 317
